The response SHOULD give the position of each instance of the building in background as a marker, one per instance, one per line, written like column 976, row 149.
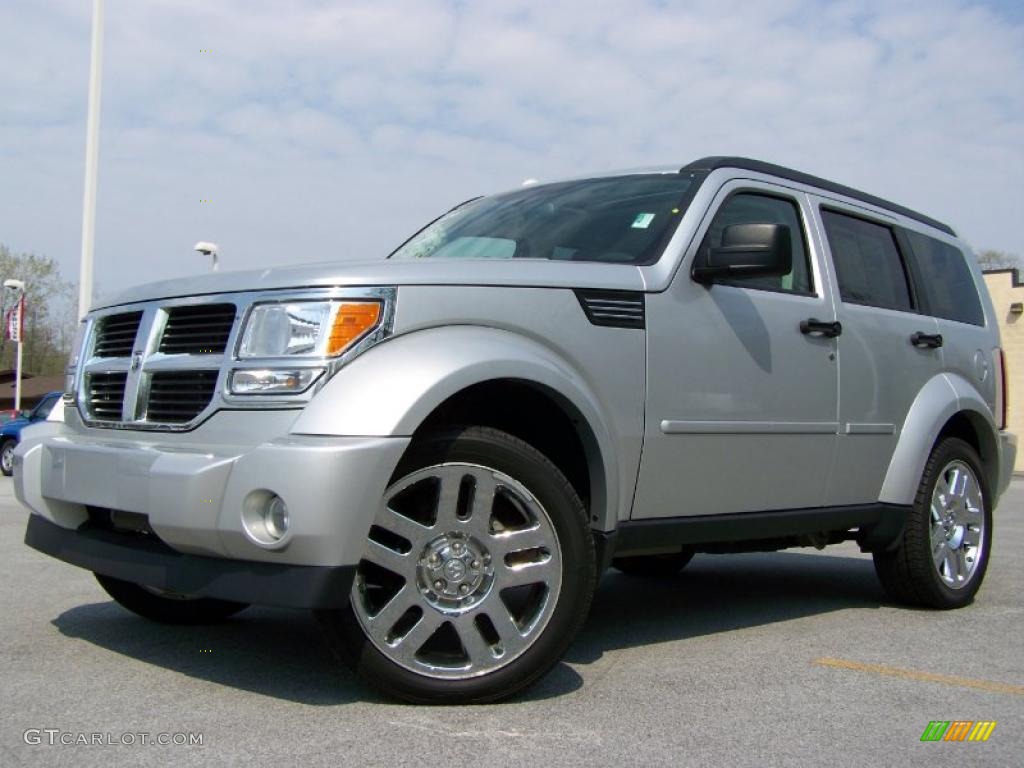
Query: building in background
column 1008, row 298
column 32, row 389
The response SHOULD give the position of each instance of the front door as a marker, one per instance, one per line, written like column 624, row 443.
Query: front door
column 741, row 404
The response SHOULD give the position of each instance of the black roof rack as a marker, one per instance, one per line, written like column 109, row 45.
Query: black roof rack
column 746, row 164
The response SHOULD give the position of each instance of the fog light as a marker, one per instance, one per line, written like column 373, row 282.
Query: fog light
column 272, row 381
column 265, row 517
column 277, row 518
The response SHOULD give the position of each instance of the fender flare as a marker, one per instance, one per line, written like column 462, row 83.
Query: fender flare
column 941, row 398
column 390, row 389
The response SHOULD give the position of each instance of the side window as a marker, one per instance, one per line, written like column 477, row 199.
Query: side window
column 869, row 268
column 952, row 294
column 753, row 208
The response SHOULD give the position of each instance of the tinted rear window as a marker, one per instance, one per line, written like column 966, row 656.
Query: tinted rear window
column 869, row 267
column 948, row 282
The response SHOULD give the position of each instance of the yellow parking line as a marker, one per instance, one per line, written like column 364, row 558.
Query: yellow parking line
column 924, row 677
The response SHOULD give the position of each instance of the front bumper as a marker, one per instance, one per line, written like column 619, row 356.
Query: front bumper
column 192, row 489
column 142, row 560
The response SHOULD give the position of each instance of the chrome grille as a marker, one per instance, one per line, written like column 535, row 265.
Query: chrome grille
column 164, row 365
column 177, row 397
column 199, row 329
column 104, row 396
column 115, row 335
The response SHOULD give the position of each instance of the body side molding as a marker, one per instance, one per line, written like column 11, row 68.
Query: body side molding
column 749, row 427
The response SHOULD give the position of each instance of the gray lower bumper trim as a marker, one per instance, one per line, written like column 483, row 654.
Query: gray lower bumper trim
column 139, row 560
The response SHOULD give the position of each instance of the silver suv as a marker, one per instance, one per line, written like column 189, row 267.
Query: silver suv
column 440, row 453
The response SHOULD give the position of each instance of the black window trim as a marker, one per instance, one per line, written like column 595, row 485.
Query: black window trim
column 789, row 197
column 910, row 274
column 709, row 164
column 915, row 277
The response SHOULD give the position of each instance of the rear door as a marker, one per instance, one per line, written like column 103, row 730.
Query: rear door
column 952, row 298
column 887, row 350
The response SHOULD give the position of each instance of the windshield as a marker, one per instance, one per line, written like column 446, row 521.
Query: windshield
column 42, row 410
column 618, row 220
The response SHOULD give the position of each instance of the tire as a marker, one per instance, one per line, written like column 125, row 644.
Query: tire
column 499, row 575
column 166, row 607
column 7, row 457
column 941, row 558
column 653, row 566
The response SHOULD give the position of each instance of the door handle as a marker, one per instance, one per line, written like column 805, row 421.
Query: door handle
column 821, row 327
column 926, row 340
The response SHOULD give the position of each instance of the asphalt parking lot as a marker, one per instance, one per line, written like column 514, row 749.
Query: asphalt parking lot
column 790, row 658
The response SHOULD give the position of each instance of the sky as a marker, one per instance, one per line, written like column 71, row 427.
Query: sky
column 302, row 131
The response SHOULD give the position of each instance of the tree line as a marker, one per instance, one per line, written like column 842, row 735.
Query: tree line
column 51, row 313
column 998, row 260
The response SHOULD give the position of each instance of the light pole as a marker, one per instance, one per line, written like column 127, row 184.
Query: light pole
column 208, row 249
column 92, row 149
column 16, row 330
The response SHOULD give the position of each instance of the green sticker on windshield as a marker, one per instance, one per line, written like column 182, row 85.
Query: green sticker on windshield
column 643, row 220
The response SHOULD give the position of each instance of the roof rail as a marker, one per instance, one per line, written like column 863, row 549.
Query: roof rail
column 746, row 164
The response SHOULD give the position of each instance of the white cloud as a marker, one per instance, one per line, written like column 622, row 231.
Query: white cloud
column 324, row 130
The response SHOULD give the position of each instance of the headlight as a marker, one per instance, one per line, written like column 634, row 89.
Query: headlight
column 307, row 328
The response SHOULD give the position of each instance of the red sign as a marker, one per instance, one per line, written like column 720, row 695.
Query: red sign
column 16, row 320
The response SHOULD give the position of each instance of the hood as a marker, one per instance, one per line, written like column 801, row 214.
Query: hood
column 530, row 273
column 14, row 426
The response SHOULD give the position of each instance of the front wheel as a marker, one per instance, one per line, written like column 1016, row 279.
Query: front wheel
column 167, row 607
column 941, row 558
column 7, row 457
column 478, row 570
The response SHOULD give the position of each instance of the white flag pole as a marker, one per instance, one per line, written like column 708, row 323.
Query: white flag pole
column 19, row 320
column 92, row 148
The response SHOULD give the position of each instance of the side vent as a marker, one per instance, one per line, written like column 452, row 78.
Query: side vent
column 615, row 309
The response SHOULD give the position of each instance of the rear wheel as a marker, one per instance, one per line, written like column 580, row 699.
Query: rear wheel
column 941, row 558
column 7, row 457
column 653, row 566
column 479, row 569
column 167, row 607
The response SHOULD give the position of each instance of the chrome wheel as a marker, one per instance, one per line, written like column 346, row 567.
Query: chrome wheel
column 461, row 573
column 940, row 558
column 957, row 524
column 7, row 458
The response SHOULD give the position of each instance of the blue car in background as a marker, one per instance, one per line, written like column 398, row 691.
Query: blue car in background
column 10, row 433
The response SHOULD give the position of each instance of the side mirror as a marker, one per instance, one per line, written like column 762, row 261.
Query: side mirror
column 747, row 250
column 25, row 414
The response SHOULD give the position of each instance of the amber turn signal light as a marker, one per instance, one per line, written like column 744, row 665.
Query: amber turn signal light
column 353, row 320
